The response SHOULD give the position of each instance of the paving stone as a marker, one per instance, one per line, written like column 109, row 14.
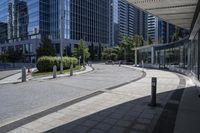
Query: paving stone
column 129, row 118
column 103, row 126
column 68, row 127
column 33, row 125
column 56, row 123
column 139, row 126
column 133, row 113
column 89, row 123
column 122, row 123
column 97, row 118
column 116, row 116
column 135, row 131
column 110, row 121
column 96, row 131
column 46, row 119
column 117, row 130
column 80, row 129
column 144, row 121
column 43, row 128
column 147, row 116
column 22, row 130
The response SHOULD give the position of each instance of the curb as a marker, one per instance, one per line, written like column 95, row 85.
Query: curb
column 28, row 119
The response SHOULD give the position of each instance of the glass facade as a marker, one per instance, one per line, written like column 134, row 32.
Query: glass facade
column 55, row 19
column 127, row 20
column 26, row 22
column 183, row 55
column 89, row 20
column 23, row 19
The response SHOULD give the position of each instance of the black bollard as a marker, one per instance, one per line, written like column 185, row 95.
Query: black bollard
column 153, row 92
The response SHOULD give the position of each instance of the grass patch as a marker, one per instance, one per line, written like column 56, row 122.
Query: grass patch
column 38, row 73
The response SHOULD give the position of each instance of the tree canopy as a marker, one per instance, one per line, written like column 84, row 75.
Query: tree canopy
column 81, row 51
column 46, row 48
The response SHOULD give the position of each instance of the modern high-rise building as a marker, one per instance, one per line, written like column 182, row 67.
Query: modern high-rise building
column 127, row 20
column 157, row 30
column 26, row 22
column 162, row 32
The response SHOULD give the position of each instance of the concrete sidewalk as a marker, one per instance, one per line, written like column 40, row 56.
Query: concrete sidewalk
column 123, row 109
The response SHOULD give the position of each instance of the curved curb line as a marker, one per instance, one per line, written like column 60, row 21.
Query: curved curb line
column 28, row 119
column 134, row 80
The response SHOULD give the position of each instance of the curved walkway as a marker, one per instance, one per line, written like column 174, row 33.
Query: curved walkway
column 123, row 109
column 24, row 99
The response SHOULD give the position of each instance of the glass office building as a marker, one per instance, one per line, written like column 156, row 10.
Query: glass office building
column 127, row 20
column 23, row 23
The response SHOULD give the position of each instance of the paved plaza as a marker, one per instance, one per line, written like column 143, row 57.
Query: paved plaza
column 119, row 109
column 24, row 99
column 4, row 74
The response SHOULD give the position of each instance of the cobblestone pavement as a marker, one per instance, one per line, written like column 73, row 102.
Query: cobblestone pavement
column 121, row 110
column 24, row 99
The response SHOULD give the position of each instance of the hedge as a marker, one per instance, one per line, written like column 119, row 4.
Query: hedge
column 46, row 63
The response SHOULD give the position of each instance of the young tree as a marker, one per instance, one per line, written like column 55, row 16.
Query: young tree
column 81, row 51
column 109, row 54
column 150, row 41
column 137, row 41
column 177, row 34
column 46, row 48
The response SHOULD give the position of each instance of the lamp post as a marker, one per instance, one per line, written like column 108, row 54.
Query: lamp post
column 61, row 33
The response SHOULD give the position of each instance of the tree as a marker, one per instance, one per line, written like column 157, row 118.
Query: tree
column 46, row 48
column 4, row 57
column 124, row 44
column 81, row 51
column 138, row 41
column 109, row 54
column 177, row 34
column 120, row 52
column 150, row 41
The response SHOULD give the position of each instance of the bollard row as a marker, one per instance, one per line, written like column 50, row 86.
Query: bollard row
column 55, row 71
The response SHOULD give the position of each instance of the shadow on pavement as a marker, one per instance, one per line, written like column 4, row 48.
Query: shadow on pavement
column 133, row 116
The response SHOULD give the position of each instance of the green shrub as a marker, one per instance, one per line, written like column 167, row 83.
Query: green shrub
column 46, row 63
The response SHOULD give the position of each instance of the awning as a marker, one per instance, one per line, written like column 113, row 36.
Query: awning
column 177, row 12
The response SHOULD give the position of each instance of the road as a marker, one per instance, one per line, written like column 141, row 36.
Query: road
column 4, row 74
column 24, row 99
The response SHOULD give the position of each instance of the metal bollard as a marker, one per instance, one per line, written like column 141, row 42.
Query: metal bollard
column 54, row 71
column 153, row 91
column 24, row 74
column 119, row 63
column 71, row 70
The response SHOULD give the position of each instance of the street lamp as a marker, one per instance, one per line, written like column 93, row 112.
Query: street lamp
column 61, row 33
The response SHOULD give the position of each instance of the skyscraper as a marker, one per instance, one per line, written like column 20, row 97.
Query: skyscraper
column 28, row 21
column 157, row 30
column 130, row 21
